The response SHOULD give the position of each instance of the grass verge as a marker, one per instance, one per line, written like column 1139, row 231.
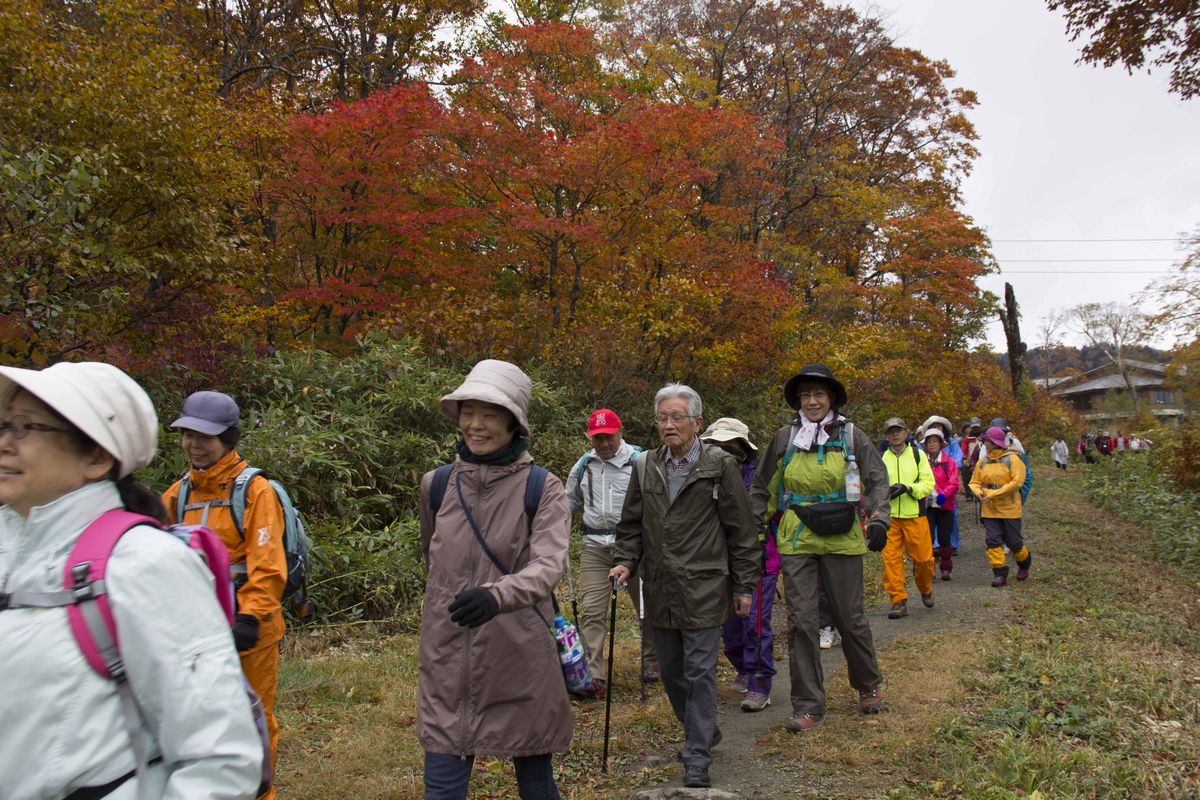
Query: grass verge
column 1092, row 691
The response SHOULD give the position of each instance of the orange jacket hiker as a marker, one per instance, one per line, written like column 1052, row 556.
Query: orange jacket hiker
column 209, row 428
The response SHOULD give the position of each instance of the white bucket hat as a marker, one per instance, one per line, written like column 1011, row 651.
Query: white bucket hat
column 100, row 400
column 728, row 429
column 496, row 382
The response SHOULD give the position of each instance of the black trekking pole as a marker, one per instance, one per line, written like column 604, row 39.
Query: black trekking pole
column 612, row 634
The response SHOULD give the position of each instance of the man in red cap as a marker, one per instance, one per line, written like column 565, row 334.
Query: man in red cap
column 596, row 485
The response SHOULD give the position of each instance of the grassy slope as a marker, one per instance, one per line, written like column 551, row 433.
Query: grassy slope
column 1091, row 691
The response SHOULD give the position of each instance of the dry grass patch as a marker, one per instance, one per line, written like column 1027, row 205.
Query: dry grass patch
column 857, row 755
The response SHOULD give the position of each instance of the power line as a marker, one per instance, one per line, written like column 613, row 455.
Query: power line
column 1077, row 260
column 1173, row 239
column 1087, row 272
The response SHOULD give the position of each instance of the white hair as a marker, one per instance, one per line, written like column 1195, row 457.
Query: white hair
column 694, row 406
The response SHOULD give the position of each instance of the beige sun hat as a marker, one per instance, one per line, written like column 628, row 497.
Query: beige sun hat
column 728, row 429
column 107, row 405
column 496, row 382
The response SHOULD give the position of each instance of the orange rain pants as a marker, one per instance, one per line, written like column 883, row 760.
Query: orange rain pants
column 261, row 667
column 908, row 536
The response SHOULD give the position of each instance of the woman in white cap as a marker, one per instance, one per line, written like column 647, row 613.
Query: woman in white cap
column 71, row 436
column 748, row 641
column 490, row 678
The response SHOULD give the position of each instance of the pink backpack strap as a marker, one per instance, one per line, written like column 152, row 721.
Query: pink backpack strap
column 210, row 547
column 92, row 623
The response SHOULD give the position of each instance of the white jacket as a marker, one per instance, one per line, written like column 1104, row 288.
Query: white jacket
column 62, row 726
column 601, row 490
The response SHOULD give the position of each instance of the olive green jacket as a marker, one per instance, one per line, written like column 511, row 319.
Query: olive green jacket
column 696, row 552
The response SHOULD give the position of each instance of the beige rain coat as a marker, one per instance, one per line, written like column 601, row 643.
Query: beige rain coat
column 497, row 689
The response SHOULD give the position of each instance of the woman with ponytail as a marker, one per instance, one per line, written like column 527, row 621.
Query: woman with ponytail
column 176, row 722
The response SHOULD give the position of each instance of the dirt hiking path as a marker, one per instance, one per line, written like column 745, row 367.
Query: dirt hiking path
column 967, row 603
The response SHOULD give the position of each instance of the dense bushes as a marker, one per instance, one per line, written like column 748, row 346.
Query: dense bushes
column 350, row 436
column 1137, row 487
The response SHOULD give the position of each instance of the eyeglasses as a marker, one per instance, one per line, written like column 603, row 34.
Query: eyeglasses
column 675, row 419
column 20, row 426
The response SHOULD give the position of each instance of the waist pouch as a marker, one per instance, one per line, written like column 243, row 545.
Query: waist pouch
column 827, row 519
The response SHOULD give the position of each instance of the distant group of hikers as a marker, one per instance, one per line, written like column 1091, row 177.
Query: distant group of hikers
column 1093, row 445
column 141, row 664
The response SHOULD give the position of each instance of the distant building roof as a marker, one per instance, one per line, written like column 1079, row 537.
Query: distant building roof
column 1106, row 382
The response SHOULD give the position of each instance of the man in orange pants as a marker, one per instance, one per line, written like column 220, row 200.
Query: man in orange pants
column 910, row 480
column 209, row 431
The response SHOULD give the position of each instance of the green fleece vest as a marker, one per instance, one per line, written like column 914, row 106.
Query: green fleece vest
column 813, row 475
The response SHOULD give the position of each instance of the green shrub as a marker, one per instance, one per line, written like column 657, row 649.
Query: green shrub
column 1138, row 487
column 350, row 437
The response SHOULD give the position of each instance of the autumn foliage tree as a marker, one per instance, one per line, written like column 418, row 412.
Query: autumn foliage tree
column 118, row 188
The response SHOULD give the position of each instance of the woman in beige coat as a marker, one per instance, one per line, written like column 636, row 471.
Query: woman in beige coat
column 490, row 679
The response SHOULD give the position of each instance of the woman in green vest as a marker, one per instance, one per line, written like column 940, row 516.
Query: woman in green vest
column 800, row 494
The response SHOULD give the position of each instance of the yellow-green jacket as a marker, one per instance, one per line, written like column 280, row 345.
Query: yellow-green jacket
column 913, row 471
column 820, row 471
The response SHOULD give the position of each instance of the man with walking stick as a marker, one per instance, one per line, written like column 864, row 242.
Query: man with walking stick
column 686, row 525
column 596, row 485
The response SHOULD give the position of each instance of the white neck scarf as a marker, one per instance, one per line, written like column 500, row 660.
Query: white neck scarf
column 811, row 433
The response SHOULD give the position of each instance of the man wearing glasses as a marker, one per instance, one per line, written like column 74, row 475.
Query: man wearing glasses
column 686, row 525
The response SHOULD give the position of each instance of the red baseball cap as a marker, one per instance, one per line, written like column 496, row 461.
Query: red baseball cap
column 603, row 420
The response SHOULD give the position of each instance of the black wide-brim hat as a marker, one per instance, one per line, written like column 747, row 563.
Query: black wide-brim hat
column 814, row 372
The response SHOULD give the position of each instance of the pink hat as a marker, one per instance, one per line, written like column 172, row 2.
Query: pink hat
column 603, row 420
column 996, row 436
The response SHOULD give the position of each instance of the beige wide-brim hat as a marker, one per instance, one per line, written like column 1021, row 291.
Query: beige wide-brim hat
column 728, row 429
column 496, row 382
column 107, row 405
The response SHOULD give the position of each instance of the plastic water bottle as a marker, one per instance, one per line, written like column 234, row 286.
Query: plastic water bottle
column 570, row 652
column 853, row 481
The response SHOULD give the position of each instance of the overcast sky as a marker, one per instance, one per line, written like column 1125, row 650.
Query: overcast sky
column 1067, row 151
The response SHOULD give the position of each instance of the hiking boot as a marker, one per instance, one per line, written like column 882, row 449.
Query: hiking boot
column 830, row 638
column 945, row 574
column 1023, row 567
column 651, row 676
column 696, row 778
column 898, row 610
column 927, row 600
column 870, row 702
column 1001, row 576
column 802, row 723
column 740, row 684
column 756, row 701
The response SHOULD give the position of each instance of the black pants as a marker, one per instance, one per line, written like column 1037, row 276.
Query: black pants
column 446, row 777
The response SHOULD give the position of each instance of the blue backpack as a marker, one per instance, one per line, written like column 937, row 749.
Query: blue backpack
column 295, row 540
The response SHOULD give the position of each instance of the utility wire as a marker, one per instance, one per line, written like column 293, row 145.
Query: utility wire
column 1086, row 240
column 1077, row 260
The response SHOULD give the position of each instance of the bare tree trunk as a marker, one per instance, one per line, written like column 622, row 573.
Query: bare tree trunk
column 1009, row 318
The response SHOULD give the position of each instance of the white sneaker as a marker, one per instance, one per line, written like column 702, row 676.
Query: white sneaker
column 829, row 638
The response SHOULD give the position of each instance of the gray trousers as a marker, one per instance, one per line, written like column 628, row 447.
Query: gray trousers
column 688, row 659
column 842, row 579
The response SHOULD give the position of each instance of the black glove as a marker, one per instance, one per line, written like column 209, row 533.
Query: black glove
column 473, row 607
column 245, row 632
column 895, row 490
column 877, row 531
